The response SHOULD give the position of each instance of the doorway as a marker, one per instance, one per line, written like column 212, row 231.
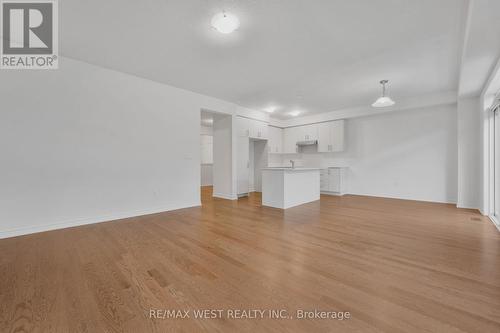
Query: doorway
column 215, row 155
column 206, row 149
column 252, row 157
column 496, row 164
column 258, row 160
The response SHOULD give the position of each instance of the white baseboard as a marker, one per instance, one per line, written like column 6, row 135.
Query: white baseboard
column 84, row 221
column 467, row 205
column 224, row 196
column 401, row 197
column 495, row 222
column 338, row 194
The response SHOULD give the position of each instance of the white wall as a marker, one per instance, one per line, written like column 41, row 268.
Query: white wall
column 84, row 144
column 410, row 154
column 469, row 147
column 223, row 161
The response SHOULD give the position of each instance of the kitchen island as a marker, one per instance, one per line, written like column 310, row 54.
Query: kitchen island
column 288, row 187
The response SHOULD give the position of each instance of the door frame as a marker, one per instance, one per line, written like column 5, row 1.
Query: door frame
column 493, row 124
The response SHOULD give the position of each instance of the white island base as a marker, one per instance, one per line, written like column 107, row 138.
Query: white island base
column 289, row 187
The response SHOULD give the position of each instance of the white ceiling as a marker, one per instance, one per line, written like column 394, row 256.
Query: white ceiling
column 314, row 56
column 482, row 46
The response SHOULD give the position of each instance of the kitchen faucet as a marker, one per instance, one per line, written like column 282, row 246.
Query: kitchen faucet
column 293, row 164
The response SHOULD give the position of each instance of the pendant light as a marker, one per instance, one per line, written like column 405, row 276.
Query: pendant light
column 383, row 101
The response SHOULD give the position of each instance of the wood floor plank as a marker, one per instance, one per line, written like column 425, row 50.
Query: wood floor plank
column 395, row 265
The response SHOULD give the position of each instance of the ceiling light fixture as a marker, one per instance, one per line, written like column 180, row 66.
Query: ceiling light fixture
column 294, row 113
column 225, row 22
column 383, row 101
column 270, row 109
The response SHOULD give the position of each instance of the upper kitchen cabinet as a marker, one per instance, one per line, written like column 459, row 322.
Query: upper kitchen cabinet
column 242, row 126
column 290, row 137
column 275, row 141
column 331, row 136
column 258, row 129
column 251, row 128
column 307, row 132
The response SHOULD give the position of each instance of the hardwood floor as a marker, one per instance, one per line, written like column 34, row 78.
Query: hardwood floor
column 396, row 266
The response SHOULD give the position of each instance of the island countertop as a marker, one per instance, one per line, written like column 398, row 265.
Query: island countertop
column 288, row 187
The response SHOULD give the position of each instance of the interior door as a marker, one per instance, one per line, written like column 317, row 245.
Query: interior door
column 243, row 165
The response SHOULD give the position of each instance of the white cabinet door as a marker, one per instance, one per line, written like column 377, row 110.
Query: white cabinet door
column 262, row 130
column 243, row 165
column 290, row 138
column 279, row 140
column 258, row 129
column 274, row 142
column 324, row 137
column 300, row 133
column 309, row 132
column 337, row 135
column 254, row 128
column 324, row 180
column 331, row 136
column 334, row 180
column 271, row 141
column 242, row 127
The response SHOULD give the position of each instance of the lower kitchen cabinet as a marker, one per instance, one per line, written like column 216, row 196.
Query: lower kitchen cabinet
column 333, row 180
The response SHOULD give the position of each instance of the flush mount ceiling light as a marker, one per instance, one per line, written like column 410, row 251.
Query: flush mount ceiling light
column 294, row 113
column 225, row 22
column 383, row 100
column 270, row 109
